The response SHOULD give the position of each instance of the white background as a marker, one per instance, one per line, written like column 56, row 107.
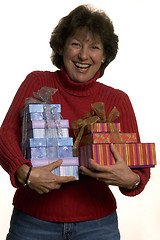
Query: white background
column 25, row 29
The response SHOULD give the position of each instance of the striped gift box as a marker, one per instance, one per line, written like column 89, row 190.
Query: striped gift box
column 69, row 171
column 37, row 129
column 69, row 166
column 102, row 127
column 134, row 154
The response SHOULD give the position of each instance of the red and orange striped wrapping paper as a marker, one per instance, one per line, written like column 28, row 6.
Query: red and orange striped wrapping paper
column 135, row 154
column 102, row 127
column 95, row 138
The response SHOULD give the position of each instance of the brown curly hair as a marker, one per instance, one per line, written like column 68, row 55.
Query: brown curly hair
column 96, row 21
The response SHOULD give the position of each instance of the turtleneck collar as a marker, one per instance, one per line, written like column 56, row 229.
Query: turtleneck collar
column 75, row 88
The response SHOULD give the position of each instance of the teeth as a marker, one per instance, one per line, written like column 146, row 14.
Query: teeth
column 80, row 65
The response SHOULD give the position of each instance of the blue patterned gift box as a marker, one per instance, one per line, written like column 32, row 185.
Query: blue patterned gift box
column 38, row 116
column 40, row 108
column 49, row 152
column 50, row 142
column 49, row 148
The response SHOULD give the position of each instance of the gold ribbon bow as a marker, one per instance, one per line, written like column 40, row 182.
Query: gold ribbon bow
column 97, row 115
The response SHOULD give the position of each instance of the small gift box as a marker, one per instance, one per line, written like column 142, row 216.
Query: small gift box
column 40, row 108
column 134, row 154
column 39, row 129
column 95, row 138
column 69, row 166
column 49, row 152
column 102, row 128
column 39, row 116
column 46, row 133
column 44, row 142
column 64, row 123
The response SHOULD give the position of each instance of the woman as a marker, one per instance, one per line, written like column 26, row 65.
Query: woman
column 53, row 207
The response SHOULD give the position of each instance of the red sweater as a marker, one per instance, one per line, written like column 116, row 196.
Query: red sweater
column 81, row 200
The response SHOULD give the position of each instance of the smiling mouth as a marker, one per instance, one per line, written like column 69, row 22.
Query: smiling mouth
column 81, row 66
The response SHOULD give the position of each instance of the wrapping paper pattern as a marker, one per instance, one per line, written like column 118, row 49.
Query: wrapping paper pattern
column 108, row 138
column 69, row 171
column 37, row 116
column 64, row 123
column 52, row 133
column 50, row 142
column 102, row 127
column 50, row 152
column 39, row 108
column 134, row 154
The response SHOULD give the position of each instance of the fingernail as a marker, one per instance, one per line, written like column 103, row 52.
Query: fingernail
column 60, row 160
column 112, row 145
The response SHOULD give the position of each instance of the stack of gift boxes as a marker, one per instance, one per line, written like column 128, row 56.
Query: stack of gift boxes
column 45, row 138
column 96, row 140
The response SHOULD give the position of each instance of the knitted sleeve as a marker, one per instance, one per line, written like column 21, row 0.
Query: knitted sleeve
column 11, row 157
column 129, row 124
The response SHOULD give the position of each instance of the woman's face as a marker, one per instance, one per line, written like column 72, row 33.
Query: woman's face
column 82, row 56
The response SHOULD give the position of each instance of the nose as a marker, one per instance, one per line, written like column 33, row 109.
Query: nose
column 83, row 54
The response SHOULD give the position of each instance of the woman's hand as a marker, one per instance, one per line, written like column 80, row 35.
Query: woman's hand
column 118, row 175
column 42, row 180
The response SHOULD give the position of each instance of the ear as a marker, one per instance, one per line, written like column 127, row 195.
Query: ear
column 103, row 60
column 60, row 52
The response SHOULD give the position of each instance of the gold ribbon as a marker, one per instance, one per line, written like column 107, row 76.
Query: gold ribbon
column 97, row 114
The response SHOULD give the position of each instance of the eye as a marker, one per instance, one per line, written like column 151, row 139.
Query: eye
column 95, row 47
column 75, row 44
